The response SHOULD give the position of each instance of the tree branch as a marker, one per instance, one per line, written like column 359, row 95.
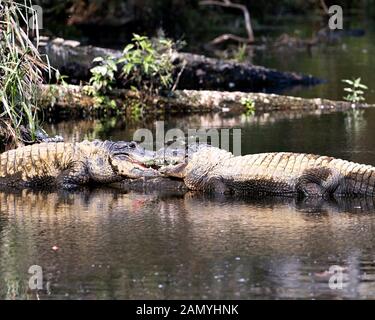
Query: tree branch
column 246, row 13
column 324, row 6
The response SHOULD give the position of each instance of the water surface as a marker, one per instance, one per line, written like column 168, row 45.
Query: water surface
column 347, row 57
column 119, row 245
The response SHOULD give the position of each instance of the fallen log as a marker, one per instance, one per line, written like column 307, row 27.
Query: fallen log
column 200, row 72
column 213, row 74
column 72, row 99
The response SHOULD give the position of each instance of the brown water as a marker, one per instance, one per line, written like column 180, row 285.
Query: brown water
column 136, row 245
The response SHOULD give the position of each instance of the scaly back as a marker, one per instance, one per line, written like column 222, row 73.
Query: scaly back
column 37, row 160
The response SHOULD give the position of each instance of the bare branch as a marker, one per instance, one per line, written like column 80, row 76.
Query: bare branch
column 324, row 6
column 246, row 13
column 228, row 36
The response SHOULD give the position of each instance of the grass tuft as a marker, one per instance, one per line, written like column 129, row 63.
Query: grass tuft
column 21, row 68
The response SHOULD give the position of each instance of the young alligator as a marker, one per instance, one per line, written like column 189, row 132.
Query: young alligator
column 68, row 165
column 286, row 174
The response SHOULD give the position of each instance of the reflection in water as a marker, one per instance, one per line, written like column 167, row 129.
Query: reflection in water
column 346, row 135
column 351, row 57
column 132, row 245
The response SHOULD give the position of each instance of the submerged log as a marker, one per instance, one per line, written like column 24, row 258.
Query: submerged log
column 72, row 98
column 200, row 72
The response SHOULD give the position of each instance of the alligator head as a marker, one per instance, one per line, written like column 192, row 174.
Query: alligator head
column 173, row 162
column 131, row 160
column 113, row 161
column 194, row 165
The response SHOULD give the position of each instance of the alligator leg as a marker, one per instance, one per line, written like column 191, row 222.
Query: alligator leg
column 318, row 182
column 217, row 185
column 73, row 177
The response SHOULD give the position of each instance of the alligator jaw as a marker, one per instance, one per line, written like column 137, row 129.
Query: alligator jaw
column 128, row 167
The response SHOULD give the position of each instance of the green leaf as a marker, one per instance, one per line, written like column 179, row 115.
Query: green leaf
column 348, row 81
column 127, row 68
column 129, row 47
column 98, row 59
column 362, row 86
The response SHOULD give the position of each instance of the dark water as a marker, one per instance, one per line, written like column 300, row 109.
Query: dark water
column 136, row 245
column 347, row 57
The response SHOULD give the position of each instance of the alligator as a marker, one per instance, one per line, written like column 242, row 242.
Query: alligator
column 39, row 136
column 70, row 165
column 201, row 168
column 209, row 169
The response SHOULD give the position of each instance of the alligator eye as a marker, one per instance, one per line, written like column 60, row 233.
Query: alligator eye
column 132, row 145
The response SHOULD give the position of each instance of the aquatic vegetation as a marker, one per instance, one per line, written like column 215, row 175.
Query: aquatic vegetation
column 21, row 69
column 249, row 106
column 355, row 91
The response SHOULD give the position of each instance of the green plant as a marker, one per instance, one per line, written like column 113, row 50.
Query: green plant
column 60, row 79
column 355, row 91
column 21, row 68
column 136, row 108
column 241, row 54
column 249, row 106
column 146, row 68
column 102, row 80
column 103, row 75
column 148, row 65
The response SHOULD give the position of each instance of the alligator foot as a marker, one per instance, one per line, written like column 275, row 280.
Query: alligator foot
column 318, row 182
column 40, row 136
